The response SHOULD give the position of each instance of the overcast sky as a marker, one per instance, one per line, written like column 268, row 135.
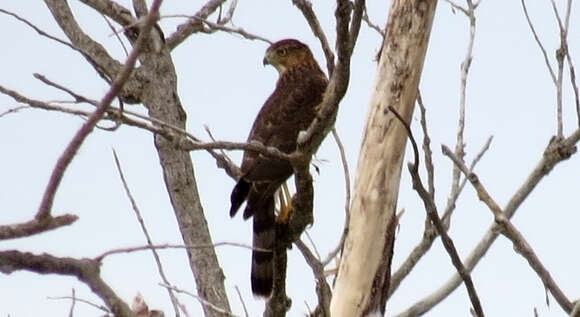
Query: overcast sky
column 222, row 84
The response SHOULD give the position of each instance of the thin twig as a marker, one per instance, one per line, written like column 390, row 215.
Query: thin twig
column 172, row 296
column 38, row 30
column 80, row 300
column 312, row 244
column 116, row 34
column 13, row 110
column 446, row 218
column 212, row 27
column 537, row 39
column 372, row 25
column 72, row 305
column 229, row 14
column 100, row 257
column 561, row 53
column 574, row 85
column 431, row 210
column 200, row 299
column 427, row 147
column 457, row 7
column 72, row 148
column 78, row 98
column 331, row 255
column 242, row 301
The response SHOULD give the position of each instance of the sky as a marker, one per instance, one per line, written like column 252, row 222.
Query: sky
column 222, row 85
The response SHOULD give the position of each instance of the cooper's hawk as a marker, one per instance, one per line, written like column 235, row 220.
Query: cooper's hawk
column 290, row 109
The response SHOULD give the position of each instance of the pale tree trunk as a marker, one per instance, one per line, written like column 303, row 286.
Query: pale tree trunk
column 364, row 273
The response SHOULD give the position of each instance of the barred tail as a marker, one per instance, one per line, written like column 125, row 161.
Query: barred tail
column 262, row 277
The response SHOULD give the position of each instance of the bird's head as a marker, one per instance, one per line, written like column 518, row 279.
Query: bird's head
column 286, row 54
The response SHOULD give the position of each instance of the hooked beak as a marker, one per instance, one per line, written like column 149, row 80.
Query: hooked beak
column 265, row 61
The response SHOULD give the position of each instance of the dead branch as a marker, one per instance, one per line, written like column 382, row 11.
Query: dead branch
column 370, row 24
column 70, row 151
column 558, row 150
column 86, row 270
column 192, row 26
column 35, row 226
column 432, row 213
column 37, row 29
column 209, row 27
column 510, row 231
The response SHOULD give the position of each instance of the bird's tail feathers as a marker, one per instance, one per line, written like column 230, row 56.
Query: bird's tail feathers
column 262, row 276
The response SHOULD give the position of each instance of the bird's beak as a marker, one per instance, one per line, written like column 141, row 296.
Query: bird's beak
column 265, row 61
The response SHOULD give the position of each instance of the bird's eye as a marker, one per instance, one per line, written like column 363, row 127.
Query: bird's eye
column 282, row 52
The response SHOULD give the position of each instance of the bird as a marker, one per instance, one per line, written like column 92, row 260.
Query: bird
column 290, row 108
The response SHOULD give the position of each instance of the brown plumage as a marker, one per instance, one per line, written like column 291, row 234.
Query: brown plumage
column 290, row 109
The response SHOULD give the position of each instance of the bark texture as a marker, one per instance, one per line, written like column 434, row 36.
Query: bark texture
column 364, row 272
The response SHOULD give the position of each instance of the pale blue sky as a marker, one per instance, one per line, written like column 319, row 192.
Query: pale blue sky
column 222, row 84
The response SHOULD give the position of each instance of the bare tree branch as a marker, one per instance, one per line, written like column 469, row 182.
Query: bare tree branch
column 210, row 27
column 35, row 226
column 427, row 147
column 192, row 26
column 37, row 29
column 508, row 230
column 557, row 151
column 242, row 301
column 431, row 210
column 372, row 25
column 70, row 151
column 85, row 270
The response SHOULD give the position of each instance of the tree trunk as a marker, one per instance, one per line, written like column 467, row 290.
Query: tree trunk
column 364, row 273
column 161, row 99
